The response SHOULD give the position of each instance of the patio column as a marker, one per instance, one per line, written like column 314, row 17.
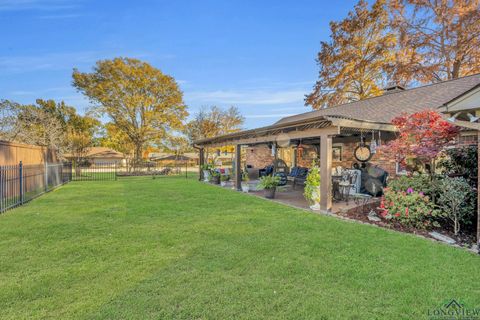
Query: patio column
column 201, row 162
column 238, row 167
column 325, row 172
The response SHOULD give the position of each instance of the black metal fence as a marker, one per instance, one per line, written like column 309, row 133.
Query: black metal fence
column 22, row 183
column 95, row 172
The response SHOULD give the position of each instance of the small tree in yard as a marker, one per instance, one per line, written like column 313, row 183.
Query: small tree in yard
column 422, row 136
column 453, row 200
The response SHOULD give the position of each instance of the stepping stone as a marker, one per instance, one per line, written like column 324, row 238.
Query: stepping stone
column 372, row 216
column 442, row 237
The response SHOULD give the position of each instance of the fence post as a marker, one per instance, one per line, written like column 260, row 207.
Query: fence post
column 20, row 172
column 115, row 171
column 46, row 176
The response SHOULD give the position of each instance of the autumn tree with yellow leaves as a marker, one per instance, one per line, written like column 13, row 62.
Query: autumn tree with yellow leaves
column 439, row 40
column 143, row 103
column 354, row 62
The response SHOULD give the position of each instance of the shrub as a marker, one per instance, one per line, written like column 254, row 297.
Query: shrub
column 460, row 161
column 455, row 199
column 245, row 177
column 224, row 177
column 409, row 208
column 268, row 182
column 417, row 182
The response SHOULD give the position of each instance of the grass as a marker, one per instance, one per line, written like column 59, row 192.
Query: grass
column 171, row 248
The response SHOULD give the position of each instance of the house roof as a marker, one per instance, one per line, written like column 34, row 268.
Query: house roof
column 101, row 152
column 382, row 109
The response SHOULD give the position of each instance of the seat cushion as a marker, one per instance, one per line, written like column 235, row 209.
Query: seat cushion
column 294, row 172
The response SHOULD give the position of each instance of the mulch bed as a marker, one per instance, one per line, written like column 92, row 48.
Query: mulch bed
column 361, row 214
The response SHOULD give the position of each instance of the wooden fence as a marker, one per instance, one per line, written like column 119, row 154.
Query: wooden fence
column 12, row 153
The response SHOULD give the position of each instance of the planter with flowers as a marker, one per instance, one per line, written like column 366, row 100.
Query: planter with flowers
column 224, row 178
column 312, row 188
column 215, row 177
column 245, row 180
column 269, row 184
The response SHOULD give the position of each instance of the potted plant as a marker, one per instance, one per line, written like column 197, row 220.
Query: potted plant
column 206, row 168
column 312, row 188
column 215, row 176
column 245, row 179
column 224, row 178
column 269, row 184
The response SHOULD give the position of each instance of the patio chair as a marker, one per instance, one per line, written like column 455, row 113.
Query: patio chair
column 349, row 184
column 267, row 171
column 300, row 177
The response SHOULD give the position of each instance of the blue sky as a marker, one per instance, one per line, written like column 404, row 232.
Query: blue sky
column 256, row 55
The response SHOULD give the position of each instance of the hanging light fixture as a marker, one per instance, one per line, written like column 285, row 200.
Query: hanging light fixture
column 373, row 144
column 300, row 148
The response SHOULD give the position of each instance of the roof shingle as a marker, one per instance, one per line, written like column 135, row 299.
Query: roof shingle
column 384, row 108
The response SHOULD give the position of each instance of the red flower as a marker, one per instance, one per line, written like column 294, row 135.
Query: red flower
column 397, row 214
column 406, row 211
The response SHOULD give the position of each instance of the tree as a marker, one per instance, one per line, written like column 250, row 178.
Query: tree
column 422, row 136
column 208, row 123
column 141, row 101
column 48, row 123
column 8, row 119
column 353, row 64
column 439, row 40
column 36, row 125
column 116, row 139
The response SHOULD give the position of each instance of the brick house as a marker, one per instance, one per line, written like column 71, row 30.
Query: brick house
column 341, row 135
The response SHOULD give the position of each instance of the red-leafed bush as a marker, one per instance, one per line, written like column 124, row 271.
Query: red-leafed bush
column 422, row 136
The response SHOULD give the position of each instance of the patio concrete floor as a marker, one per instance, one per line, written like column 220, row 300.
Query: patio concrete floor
column 294, row 197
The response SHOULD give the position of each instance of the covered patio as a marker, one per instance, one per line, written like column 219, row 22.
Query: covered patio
column 320, row 134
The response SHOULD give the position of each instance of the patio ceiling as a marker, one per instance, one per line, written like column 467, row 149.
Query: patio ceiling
column 311, row 128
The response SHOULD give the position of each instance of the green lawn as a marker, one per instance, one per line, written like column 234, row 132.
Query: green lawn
column 172, row 248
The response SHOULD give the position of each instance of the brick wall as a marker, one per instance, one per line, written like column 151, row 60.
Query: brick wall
column 378, row 159
column 258, row 156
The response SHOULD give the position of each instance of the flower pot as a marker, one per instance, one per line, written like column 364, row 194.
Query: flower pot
column 316, row 200
column 245, row 187
column 270, row 193
column 216, row 179
column 206, row 175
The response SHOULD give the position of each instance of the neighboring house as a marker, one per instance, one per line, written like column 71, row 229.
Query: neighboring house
column 219, row 157
column 333, row 135
column 101, row 155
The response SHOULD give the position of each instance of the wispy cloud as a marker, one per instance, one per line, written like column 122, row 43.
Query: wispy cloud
column 255, row 97
column 53, row 61
column 60, row 16
column 59, row 61
column 44, row 5
column 40, row 92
